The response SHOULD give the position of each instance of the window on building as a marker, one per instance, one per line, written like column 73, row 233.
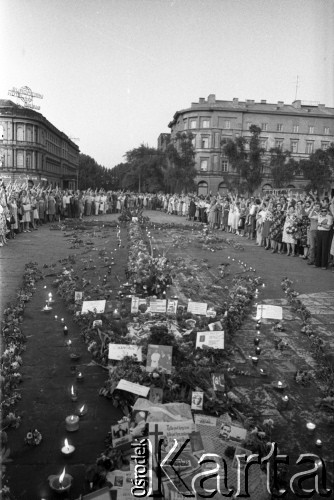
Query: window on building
column 185, row 124
column 20, row 133
column 294, row 147
column 29, row 134
column 295, row 129
column 205, row 123
column 28, row 160
column 280, row 127
column 204, row 165
column 19, row 159
column 224, row 165
column 326, row 130
column 217, row 140
column 227, row 124
column 311, row 129
column 205, row 143
column 193, row 123
column 264, row 127
column 279, row 143
column 263, row 144
column 193, row 141
column 309, row 147
column 324, row 145
column 215, row 163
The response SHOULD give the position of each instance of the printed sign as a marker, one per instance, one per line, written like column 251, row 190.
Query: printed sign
column 205, row 420
column 230, row 432
column 119, row 351
column 172, row 306
column 158, row 305
column 214, row 340
column 197, row 308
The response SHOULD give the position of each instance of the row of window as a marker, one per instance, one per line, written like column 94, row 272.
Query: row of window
column 204, row 165
column 309, row 147
column 205, row 123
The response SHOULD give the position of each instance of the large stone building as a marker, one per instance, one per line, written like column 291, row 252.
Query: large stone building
column 301, row 127
column 32, row 148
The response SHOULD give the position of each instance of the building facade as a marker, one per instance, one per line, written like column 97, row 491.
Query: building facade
column 32, row 148
column 300, row 127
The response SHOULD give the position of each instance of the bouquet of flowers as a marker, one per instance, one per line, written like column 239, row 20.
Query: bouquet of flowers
column 293, row 227
column 33, row 438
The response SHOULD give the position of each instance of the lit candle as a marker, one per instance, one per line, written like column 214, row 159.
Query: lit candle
column 67, row 449
column 72, row 423
column 280, row 385
column 116, row 314
column 47, row 308
column 80, row 377
column 256, row 341
column 56, row 317
column 62, row 320
column 68, row 343
column 60, row 483
column 65, row 330
column 310, row 427
column 83, row 410
column 74, row 394
column 263, row 373
column 255, row 360
column 318, row 443
column 257, row 350
column 285, row 401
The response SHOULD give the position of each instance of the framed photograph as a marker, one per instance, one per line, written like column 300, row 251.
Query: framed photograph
column 159, row 356
column 218, row 382
column 156, row 395
column 230, row 432
column 120, row 433
column 197, row 400
column 78, row 296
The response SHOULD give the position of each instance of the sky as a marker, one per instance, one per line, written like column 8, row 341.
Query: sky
column 114, row 72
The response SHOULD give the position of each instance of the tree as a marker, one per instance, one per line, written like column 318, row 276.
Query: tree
column 145, row 169
column 180, row 171
column 283, row 168
column 319, row 169
column 247, row 162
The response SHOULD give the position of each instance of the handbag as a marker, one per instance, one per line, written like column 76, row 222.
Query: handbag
column 26, row 207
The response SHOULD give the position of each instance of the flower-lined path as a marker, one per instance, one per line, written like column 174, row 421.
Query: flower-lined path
column 46, row 365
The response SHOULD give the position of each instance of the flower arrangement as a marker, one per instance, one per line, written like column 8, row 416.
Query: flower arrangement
column 293, row 226
column 33, row 438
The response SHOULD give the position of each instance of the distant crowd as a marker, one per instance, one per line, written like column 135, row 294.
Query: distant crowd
column 291, row 224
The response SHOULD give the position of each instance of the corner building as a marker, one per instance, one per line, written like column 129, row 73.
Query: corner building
column 300, row 127
column 33, row 148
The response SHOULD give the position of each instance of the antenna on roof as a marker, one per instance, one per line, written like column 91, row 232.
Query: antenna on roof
column 297, row 86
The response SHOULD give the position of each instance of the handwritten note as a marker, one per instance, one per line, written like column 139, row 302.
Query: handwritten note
column 119, row 351
column 125, row 385
column 197, row 308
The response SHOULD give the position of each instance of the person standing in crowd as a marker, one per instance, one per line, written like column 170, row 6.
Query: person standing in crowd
column 51, row 207
column 276, row 229
column 312, row 232
column 325, row 222
column 26, row 210
column 289, row 231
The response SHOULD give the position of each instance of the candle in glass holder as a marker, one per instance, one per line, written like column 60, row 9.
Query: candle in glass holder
column 56, row 317
column 80, row 377
column 47, row 308
column 60, row 483
column 318, row 443
column 256, row 341
column 62, row 320
column 280, row 386
column 82, row 411
column 74, row 394
column 310, row 427
column 257, row 350
column 67, row 449
column 72, row 423
column 65, row 330
column 263, row 373
column 285, row 401
column 258, row 326
column 116, row 314
column 255, row 360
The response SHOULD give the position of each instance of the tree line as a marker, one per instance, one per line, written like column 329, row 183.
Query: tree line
column 148, row 169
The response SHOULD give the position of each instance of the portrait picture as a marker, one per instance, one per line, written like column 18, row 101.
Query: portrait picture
column 218, row 382
column 197, row 400
column 159, row 357
column 120, row 433
column 229, row 432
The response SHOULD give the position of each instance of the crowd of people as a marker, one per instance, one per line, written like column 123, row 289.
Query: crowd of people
column 291, row 224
